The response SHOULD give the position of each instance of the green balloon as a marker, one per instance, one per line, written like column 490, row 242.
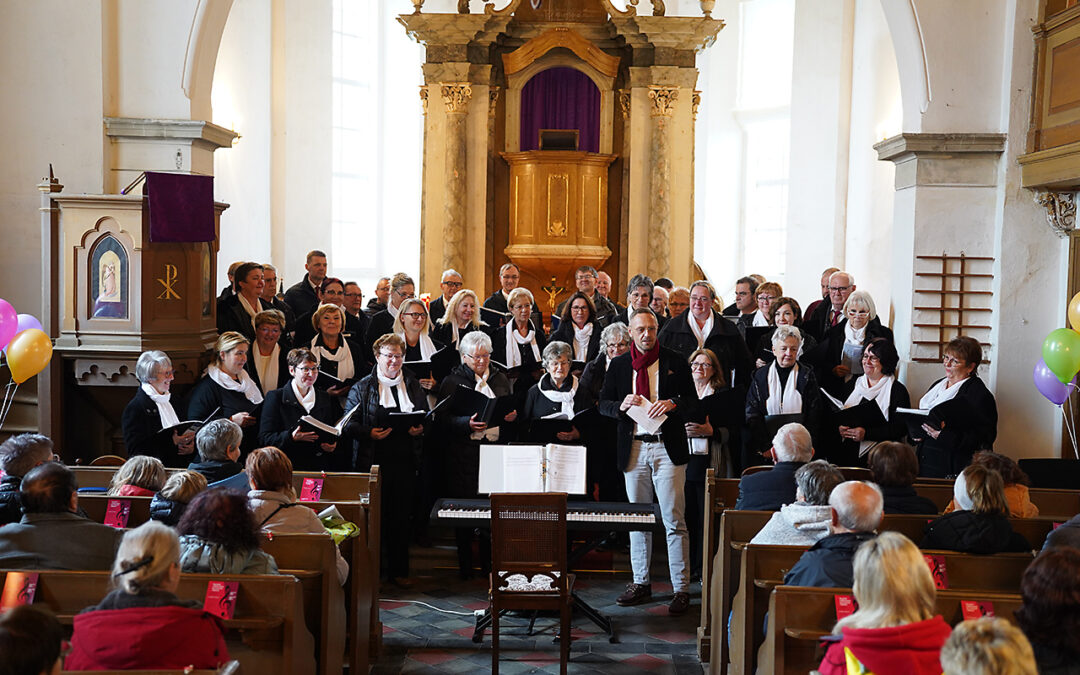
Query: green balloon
column 1061, row 351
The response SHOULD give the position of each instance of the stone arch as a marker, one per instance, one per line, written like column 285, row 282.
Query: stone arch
column 910, row 48
column 200, row 58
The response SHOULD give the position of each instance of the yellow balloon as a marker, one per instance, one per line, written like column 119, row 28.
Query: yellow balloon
column 28, row 353
column 1074, row 312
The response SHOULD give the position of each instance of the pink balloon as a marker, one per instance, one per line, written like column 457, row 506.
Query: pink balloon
column 28, row 321
column 9, row 323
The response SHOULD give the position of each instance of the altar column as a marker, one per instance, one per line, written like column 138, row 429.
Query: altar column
column 663, row 100
column 456, row 96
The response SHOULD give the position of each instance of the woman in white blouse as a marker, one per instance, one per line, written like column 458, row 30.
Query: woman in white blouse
column 578, row 328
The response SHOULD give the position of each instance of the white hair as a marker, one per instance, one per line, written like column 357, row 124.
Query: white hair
column 473, row 340
column 150, row 363
column 450, row 273
column 782, row 333
column 858, row 505
column 793, row 443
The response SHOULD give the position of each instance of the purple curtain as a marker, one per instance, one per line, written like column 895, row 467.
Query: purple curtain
column 181, row 206
column 561, row 98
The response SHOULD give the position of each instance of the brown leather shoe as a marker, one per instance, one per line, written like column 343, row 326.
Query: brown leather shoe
column 680, row 603
column 635, row 594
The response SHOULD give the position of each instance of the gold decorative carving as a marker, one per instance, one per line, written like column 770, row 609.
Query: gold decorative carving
column 169, row 282
column 489, row 8
column 663, row 100
column 456, row 96
column 424, row 98
column 624, row 103
column 707, row 7
column 1060, row 211
column 417, row 4
column 493, row 98
column 658, row 8
column 556, row 228
column 462, row 6
column 631, row 8
column 694, row 103
column 526, row 54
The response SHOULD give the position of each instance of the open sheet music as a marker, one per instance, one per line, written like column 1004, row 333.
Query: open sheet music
column 532, row 468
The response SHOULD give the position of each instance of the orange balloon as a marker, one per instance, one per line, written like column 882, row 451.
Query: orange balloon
column 28, row 353
column 1074, row 312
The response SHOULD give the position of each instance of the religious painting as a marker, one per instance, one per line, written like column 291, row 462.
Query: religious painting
column 207, row 281
column 109, row 276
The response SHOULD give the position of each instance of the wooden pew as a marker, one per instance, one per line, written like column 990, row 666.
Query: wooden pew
column 762, row 568
column 266, row 634
column 324, row 598
column 1057, row 504
column 720, row 494
column 1032, row 529
column 96, row 505
column 800, row 616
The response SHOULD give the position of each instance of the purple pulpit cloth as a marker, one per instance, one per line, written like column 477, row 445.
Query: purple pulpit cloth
column 560, row 98
column 181, row 206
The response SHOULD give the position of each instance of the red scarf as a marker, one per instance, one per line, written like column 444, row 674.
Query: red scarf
column 640, row 362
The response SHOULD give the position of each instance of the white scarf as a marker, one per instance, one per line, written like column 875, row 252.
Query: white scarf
column 582, row 336
column 427, row 347
column 563, row 398
column 702, row 332
column 245, row 386
column 760, row 320
column 455, row 331
column 854, row 336
column 386, row 397
column 164, row 408
column 267, row 367
column 880, row 393
column 307, row 401
column 787, row 401
column 941, row 392
column 700, row 446
column 514, row 338
column 491, row 433
column 342, row 357
column 393, row 310
column 251, row 311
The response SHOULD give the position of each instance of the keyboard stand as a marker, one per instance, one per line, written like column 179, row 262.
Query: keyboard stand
column 483, row 621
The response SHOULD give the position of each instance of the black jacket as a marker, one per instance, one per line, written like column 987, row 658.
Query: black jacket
column 829, row 353
column 215, row 470
column 675, row 383
column 232, row 316
column 592, row 378
column 281, row 415
column 952, row 450
column 10, row 504
column 904, row 499
column 290, row 316
column 373, row 307
column 397, row 449
column 1067, row 534
column 537, row 406
column 606, row 309
column 282, row 370
column 807, row 386
column 379, row 325
column 845, row 451
column 207, row 395
column 724, row 341
column 970, row 532
column 565, row 333
column 140, row 423
column 301, row 297
column 436, row 310
column 444, row 333
column 828, row 563
column 361, row 359
column 817, row 323
column 166, row 511
column 498, row 347
column 724, row 409
column 497, row 302
column 768, row 490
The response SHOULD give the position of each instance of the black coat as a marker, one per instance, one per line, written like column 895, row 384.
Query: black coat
column 436, row 310
column 724, row 409
column 970, row 532
column 675, row 383
column 565, row 333
column 768, row 490
column 282, row 372
column 952, row 450
column 807, row 386
column 215, row 470
column 724, row 341
column 232, row 316
column 764, row 352
column 302, row 297
column 166, row 510
column 828, row 563
column 537, row 405
column 399, row 449
column 10, row 503
column 290, row 316
column 462, row 452
column 845, row 451
column 444, row 333
column 904, row 499
column 141, row 423
column 207, row 395
column 373, row 307
column 592, row 378
column 817, row 323
column 361, row 363
column 497, row 302
column 380, row 324
column 498, row 348
column 829, row 353
column 281, row 415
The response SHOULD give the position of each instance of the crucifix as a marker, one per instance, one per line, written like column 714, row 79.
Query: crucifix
column 553, row 292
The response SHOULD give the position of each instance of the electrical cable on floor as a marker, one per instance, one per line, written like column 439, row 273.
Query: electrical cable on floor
column 437, row 609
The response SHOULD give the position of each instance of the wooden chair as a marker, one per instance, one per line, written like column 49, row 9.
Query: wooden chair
column 850, row 472
column 528, row 563
column 108, row 460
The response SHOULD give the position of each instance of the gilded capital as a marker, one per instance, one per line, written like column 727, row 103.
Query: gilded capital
column 1060, row 211
column 663, row 100
column 456, row 96
column 424, row 98
column 624, row 103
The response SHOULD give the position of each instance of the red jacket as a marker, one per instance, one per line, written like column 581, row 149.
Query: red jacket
column 146, row 638
column 911, row 649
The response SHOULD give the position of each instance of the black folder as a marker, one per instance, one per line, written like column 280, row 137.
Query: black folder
column 328, row 381
column 956, row 414
column 467, row 401
column 543, row 430
column 440, row 365
column 774, row 422
column 186, row 426
column 401, row 422
column 866, row 414
column 494, row 317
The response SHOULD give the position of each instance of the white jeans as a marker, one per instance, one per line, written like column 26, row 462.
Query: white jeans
column 651, row 471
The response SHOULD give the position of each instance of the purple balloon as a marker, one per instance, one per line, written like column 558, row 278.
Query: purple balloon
column 28, row 321
column 9, row 323
column 1049, row 385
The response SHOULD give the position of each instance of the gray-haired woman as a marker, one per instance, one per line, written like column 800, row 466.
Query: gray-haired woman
column 557, row 393
column 601, row 466
column 154, row 408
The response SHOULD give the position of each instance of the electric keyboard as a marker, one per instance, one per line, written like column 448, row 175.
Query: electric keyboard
column 605, row 516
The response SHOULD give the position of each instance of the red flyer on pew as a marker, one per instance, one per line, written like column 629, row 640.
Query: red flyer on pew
column 845, row 606
column 311, row 490
column 19, row 589
column 117, row 513
column 975, row 609
column 936, row 563
column 221, row 598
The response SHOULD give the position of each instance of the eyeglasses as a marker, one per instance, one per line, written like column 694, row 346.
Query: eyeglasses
column 766, row 297
column 583, row 277
column 839, row 289
column 620, row 345
column 414, row 315
column 678, row 304
column 858, row 312
column 453, row 284
column 578, row 308
column 403, row 295
column 951, row 361
column 701, row 299
column 308, row 369
column 870, row 358
column 477, row 357
column 700, row 366
column 392, row 356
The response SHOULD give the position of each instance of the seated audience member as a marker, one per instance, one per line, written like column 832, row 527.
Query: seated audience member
column 154, row 408
column 988, row 646
column 219, row 535
column 140, row 476
column 1050, row 614
column 141, row 624
column 50, row 534
column 785, row 312
column 856, row 514
column 169, row 503
column 382, row 298
column 895, row 628
column 303, row 296
column 785, row 387
column 837, row 360
column 462, row 317
column 266, row 363
column 237, row 312
column 227, row 391
column 806, row 520
column 769, row 490
column 981, row 522
column 678, row 301
column 1016, row 484
column 579, row 328
column 18, row 455
column 31, row 641
column 895, row 468
column 1066, row 534
column 280, row 424
column 219, row 449
column 272, row 499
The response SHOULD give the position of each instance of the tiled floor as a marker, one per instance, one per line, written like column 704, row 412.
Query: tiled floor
column 419, row 639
